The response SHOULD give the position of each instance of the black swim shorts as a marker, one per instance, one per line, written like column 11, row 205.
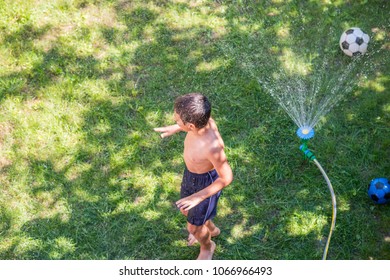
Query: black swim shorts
column 192, row 183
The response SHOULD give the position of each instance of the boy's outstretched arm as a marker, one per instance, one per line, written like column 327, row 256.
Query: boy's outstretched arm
column 221, row 165
column 168, row 130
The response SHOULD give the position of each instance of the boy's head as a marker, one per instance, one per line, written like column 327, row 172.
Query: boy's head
column 193, row 108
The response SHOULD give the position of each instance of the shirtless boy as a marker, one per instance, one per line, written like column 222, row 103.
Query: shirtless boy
column 207, row 170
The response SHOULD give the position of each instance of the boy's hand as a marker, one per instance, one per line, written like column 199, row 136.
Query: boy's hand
column 186, row 203
column 168, row 130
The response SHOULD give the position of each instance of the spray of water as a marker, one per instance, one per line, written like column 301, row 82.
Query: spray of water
column 306, row 98
column 308, row 85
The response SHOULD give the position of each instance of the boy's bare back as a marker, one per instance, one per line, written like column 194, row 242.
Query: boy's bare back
column 199, row 146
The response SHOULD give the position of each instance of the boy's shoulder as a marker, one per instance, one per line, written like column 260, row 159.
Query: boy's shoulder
column 215, row 137
column 213, row 124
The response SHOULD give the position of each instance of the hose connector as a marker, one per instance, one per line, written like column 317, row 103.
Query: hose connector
column 308, row 154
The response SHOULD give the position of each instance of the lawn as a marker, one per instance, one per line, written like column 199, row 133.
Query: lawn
column 84, row 82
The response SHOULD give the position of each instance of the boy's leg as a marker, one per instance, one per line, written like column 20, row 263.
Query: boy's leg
column 214, row 231
column 203, row 235
column 191, row 238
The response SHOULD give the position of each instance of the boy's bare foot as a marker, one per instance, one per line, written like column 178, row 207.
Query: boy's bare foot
column 192, row 240
column 207, row 254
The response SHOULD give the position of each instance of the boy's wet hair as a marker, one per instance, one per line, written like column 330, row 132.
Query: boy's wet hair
column 193, row 108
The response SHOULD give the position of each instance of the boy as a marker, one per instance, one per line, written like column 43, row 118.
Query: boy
column 207, row 170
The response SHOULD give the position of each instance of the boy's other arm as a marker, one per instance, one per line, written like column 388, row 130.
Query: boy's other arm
column 221, row 165
column 168, row 130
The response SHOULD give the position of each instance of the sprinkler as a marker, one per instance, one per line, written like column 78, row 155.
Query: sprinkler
column 305, row 133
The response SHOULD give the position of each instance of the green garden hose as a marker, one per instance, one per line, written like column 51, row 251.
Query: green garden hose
column 306, row 133
column 334, row 211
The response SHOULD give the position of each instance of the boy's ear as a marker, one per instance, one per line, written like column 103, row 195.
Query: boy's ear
column 191, row 126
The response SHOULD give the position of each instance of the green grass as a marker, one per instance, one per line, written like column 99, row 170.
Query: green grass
column 83, row 83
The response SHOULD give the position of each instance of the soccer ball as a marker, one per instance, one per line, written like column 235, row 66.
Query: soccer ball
column 379, row 190
column 354, row 41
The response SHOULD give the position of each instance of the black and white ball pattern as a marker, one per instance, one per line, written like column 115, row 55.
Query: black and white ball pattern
column 354, row 41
